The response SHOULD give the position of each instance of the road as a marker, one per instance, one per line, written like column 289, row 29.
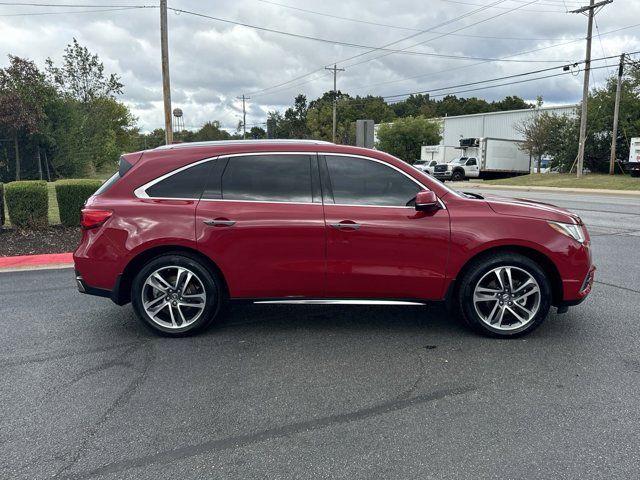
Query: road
column 353, row 392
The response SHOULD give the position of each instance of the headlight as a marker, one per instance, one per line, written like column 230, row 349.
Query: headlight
column 569, row 229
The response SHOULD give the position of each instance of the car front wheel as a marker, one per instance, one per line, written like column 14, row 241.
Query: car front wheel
column 175, row 295
column 505, row 295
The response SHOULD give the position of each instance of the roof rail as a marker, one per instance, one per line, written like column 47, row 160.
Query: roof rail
column 214, row 143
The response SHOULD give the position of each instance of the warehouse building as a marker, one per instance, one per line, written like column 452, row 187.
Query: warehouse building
column 495, row 124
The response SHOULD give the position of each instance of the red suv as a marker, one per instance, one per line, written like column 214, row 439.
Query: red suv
column 181, row 229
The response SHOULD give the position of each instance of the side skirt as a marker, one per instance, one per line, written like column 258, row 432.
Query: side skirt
column 338, row 302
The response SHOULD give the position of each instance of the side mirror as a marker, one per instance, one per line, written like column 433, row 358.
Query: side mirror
column 426, row 200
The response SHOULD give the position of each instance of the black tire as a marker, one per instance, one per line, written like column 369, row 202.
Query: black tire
column 481, row 270
column 457, row 176
column 203, row 281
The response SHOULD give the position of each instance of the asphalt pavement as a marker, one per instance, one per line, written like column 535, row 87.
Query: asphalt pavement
column 352, row 392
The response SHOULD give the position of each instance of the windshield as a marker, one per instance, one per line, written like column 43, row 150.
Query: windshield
column 419, row 162
column 459, row 161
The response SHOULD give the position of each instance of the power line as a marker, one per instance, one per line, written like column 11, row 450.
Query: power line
column 398, row 27
column 354, row 45
column 454, row 31
column 66, row 12
column 481, row 63
column 73, row 5
column 501, row 84
column 503, row 8
column 384, row 46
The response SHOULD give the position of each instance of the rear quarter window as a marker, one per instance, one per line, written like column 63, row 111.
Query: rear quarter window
column 188, row 183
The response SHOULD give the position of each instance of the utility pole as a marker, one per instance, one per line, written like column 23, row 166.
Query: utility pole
column 335, row 71
column 616, row 111
column 166, row 83
column 244, row 115
column 587, row 70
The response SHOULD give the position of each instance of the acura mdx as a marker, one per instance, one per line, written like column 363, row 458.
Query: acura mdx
column 181, row 229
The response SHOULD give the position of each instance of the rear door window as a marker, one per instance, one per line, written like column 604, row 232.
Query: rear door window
column 269, row 178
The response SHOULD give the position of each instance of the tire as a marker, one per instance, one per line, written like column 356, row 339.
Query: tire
column 457, row 176
column 496, row 307
column 173, row 311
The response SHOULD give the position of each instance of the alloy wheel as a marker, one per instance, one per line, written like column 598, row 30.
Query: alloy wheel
column 173, row 297
column 507, row 298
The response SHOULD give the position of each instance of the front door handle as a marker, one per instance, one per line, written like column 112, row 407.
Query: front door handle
column 219, row 222
column 345, row 225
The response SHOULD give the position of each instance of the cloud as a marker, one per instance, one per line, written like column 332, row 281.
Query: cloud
column 214, row 62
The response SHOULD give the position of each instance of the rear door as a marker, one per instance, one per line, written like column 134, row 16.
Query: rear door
column 378, row 245
column 261, row 221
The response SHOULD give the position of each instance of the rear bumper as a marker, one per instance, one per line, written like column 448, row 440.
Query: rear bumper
column 87, row 289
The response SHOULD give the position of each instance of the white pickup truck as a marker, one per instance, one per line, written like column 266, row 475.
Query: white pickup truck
column 458, row 169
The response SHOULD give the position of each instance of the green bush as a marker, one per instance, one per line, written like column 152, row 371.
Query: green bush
column 1, row 204
column 71, row 195
column 27, row 203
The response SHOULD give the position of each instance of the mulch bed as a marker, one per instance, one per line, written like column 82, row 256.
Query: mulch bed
column 55, row 239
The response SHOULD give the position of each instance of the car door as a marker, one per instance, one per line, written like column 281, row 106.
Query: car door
column 471, row 167
column 378, row 245
column 261, row 221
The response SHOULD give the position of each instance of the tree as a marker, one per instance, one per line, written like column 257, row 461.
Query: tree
column 549, row 134
column 23, row 94
column 257, row 133
column 404, row 137
column 295, row 118
column 82, row 75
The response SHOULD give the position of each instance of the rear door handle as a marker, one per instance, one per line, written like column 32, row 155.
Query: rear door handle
column 219, row 222
column 345, row 225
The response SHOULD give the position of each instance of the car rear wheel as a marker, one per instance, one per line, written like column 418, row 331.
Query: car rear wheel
column 175, row 295
column 504, row 295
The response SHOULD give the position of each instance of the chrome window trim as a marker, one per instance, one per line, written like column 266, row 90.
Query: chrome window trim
column 141, row 193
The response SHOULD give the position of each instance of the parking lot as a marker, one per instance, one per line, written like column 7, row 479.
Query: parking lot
column 326, row 391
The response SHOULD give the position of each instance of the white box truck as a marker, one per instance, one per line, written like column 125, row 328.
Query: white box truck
column 633, row 166
column 486, row 158
column 439, row 153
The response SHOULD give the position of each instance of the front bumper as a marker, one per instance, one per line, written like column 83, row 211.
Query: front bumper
column 445, row 174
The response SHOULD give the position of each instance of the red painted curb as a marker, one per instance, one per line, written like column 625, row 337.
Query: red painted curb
column 36, row 260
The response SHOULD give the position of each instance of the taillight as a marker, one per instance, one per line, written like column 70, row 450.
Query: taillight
column 94, row 218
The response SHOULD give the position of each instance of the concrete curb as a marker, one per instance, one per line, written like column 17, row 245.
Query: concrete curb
column 36, row 262
column 593, row 191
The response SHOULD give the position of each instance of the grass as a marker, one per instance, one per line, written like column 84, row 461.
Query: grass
column 591, row 180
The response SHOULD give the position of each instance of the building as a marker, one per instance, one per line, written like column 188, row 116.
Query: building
column 495, row 124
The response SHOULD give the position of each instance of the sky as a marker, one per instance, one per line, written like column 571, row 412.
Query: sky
column 212, row 62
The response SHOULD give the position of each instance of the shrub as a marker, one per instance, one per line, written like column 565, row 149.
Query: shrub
column 71, row 195
column 27, row 203
column 1, row 204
